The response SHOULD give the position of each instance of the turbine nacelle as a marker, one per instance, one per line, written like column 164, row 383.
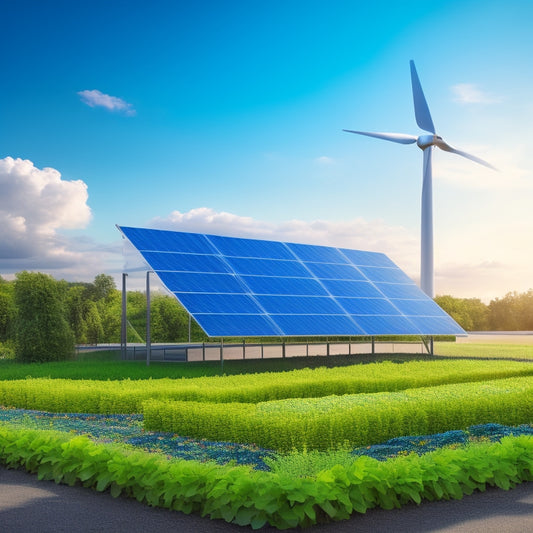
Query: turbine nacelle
column 424, row 141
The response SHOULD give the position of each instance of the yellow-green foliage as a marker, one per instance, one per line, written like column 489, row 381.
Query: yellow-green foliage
column 245, row 497
column 334, row 421
column 484, row 351
column 127, row 396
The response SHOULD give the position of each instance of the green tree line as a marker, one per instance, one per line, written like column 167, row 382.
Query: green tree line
column 42, row 319
column 513, row 312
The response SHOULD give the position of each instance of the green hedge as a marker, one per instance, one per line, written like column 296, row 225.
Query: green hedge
column 355, row 420
column 127, row 396
column 245, row 497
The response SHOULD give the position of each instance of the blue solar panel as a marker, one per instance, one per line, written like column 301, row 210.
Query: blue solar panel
column 361, row 258
column 317, row 254
column 322, row 325
column 368, row 306
column 387, row 325
column 244, row 287
column 389, row 275
column 220, row 303
column 233, row 247
column 186, row 262
column 267, row 267
column 329, row 271
column 300, row 305
column 361, row 289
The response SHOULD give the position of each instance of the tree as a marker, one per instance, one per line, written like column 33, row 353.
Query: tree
column 95, row 330
column 7, row 309
column 169, row 321
column 76, row 310
column 104, row 286
column 42, row 332
column 513, row 312
column 470, row 313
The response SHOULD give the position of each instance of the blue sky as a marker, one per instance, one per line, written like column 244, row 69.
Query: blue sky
column 227, row 117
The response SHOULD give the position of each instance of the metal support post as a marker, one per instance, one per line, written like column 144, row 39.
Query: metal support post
column 373, row 346
column 148, row 340
column 222, row 355
column 123, row 322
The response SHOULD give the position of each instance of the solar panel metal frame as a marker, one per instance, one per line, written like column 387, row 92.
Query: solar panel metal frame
column 237, row 287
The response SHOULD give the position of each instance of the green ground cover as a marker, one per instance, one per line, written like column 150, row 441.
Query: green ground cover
column 488, row 350
column 405, row 459
column 104, row 365
column 332, row 422
column 246, row 497
column 127, row 396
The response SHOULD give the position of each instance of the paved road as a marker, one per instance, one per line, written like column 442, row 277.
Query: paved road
column 31, row 506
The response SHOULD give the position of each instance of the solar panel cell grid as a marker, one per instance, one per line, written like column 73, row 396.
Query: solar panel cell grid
column 330, row 271
column 267, row 267
column 368, row 306
column 246, row 287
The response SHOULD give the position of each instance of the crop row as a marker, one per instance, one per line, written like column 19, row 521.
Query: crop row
column 354, row 420
column 245, row 497
column 127, row 396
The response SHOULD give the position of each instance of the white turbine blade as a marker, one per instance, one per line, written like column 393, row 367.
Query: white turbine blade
column 422, row 114
column 401, row 138
column 447, row 148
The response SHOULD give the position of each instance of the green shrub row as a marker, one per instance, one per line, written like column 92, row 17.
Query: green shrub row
column 355, row 420
column 127, row 396
column 245, row 497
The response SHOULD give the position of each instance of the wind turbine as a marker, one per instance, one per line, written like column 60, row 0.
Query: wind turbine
column 426, row 143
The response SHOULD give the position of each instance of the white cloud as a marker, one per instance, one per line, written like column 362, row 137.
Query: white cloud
column 34, row 204
column 470, row 261
column 96, row 98
column 324, row 160
column 468, row 93
column 357, row 233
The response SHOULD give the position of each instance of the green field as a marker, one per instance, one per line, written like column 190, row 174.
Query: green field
column 311, row 425
column 491, row 351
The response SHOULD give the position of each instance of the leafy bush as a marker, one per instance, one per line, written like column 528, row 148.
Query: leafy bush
column 245, row 497
column 127, row 396
column 42, row 331
column 332, row 422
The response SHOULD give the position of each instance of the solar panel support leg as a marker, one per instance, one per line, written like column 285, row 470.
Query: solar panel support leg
column 283, row 349
column 327, row 347
column 373, row 345
column 148, row 339
column 203, row 351
column 431, row 346
column 222, row 355
column 243, row 349
column 349, row 346
column 123, row 322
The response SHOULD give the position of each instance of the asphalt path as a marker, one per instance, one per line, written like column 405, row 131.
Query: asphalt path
column 28, row 505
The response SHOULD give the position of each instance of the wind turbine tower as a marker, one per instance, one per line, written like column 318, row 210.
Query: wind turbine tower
column 426, row 142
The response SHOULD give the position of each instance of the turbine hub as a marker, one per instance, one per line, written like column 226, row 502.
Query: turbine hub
column 428, row 140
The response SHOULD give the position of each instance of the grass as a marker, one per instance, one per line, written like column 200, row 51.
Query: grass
column 485, row 351
column 103, row 365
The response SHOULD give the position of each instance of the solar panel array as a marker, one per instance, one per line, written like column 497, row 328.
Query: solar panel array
column 237, row 287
